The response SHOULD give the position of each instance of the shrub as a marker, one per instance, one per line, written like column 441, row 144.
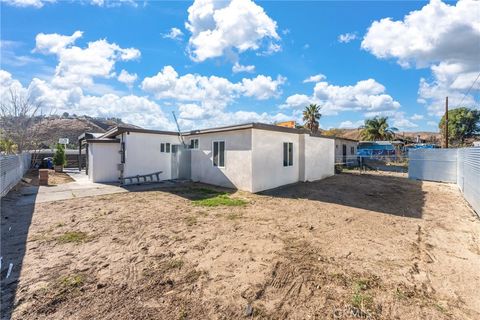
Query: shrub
column 60, row 159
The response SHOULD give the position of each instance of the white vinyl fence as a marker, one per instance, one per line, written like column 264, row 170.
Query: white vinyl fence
column 460, row 166
column 12, row 169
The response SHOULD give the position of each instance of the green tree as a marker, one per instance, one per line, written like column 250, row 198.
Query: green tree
column 377, row 129
column 60, row 159
column 311, row 116
column 8, row 146
column 463, row 123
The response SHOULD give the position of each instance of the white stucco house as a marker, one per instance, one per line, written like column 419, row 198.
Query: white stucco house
column 251, row 157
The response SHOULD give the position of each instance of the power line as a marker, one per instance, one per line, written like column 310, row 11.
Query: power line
column 478, row 76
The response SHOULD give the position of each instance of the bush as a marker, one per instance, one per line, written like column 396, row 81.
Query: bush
column 60, row 159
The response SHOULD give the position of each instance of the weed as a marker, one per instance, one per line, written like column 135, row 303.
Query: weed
column 233, row 216
column 362, row 300
column 72, row 281
column 60, row 224
column 182, row 315
column 193, row 276
column 219, row 200
column 72, row 237
column 173, row 264
column 190, row 220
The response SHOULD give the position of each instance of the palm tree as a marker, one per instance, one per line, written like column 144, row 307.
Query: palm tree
column 311, row 116
column 377, row 129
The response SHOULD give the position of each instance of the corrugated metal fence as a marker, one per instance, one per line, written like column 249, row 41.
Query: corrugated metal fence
column 12, row 169
column 460, row 166
column 468, row 175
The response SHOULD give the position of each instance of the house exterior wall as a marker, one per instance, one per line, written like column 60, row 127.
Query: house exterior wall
column 102, row 162
column 339, row 150
column 319, row 158
column 267, row 159
column 143, row 156
column 237, row 172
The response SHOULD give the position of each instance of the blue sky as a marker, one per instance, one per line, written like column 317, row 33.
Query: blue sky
column 218, row 63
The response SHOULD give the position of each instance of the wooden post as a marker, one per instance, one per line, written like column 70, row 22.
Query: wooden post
column 446, row 122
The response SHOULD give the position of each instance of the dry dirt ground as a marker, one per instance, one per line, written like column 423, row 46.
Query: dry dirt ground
column 351, row 246
column 54, row 178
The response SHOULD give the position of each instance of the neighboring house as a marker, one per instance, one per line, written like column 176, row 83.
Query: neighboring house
column 379, row 148
column 251, row 157
column 345, row 151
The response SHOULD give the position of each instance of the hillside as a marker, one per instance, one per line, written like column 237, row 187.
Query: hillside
column 51, row 129
column 355, row 134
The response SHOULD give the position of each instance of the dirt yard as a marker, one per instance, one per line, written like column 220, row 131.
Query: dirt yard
column 348, row 247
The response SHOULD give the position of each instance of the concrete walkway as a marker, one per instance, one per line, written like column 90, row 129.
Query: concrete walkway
column 80, row 188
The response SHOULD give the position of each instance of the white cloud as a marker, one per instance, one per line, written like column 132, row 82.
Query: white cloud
column 174, row 34
column 54, row 42
column 213, row 90
column 316, row 78
column 351, row 125
column 202, row 100
column 416, row 117
column 241, row 68
column 127, row 78
column 439, row 36
column 347, row 37
column 432, row 123
column 28, row 3
column 223, row 27
column 79, row 66
column 262, row 87
column 365, row 96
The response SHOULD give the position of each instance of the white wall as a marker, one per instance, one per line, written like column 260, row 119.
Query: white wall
column 238, row 159
column 102, row 162
column 267, row 159
column 339, row 150
column 319, row 158
column 143, row 156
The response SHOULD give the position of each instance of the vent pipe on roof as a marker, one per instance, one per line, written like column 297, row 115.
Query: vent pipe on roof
column 178, row 128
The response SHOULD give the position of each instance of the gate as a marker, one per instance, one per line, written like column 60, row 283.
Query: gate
column 181, row 162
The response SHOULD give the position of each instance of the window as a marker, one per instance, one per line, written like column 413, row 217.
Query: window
column 194, row 144
column 287, row 154
column 174, row 148
column 167, row 147
column 219, row 154
column 122, row 152
column 162, row 147
column 352, row 150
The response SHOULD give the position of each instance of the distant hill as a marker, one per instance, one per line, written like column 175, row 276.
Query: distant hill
column 52, row 128
column 355, row 134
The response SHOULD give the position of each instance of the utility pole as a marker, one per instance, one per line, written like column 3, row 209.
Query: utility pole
column 446, row 122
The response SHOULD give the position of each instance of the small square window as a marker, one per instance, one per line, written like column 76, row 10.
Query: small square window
column 194, row 144
column 162, row 147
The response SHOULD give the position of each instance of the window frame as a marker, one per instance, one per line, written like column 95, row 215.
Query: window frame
column 167, row 147
column 287, row 154
column 193, row 145
column 162, row 147
column 213, row 153
column 352, row 150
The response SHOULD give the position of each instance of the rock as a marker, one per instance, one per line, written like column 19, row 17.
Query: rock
column 100, row 285
column 248, row 310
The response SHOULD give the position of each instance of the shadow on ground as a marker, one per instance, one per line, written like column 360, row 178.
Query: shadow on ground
column 15, row 223
column 386, row 194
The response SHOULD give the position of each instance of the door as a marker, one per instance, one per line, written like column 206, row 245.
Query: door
column 344, row 153
column 180, row 162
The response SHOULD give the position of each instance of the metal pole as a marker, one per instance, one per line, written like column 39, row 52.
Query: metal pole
column 446, row 122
